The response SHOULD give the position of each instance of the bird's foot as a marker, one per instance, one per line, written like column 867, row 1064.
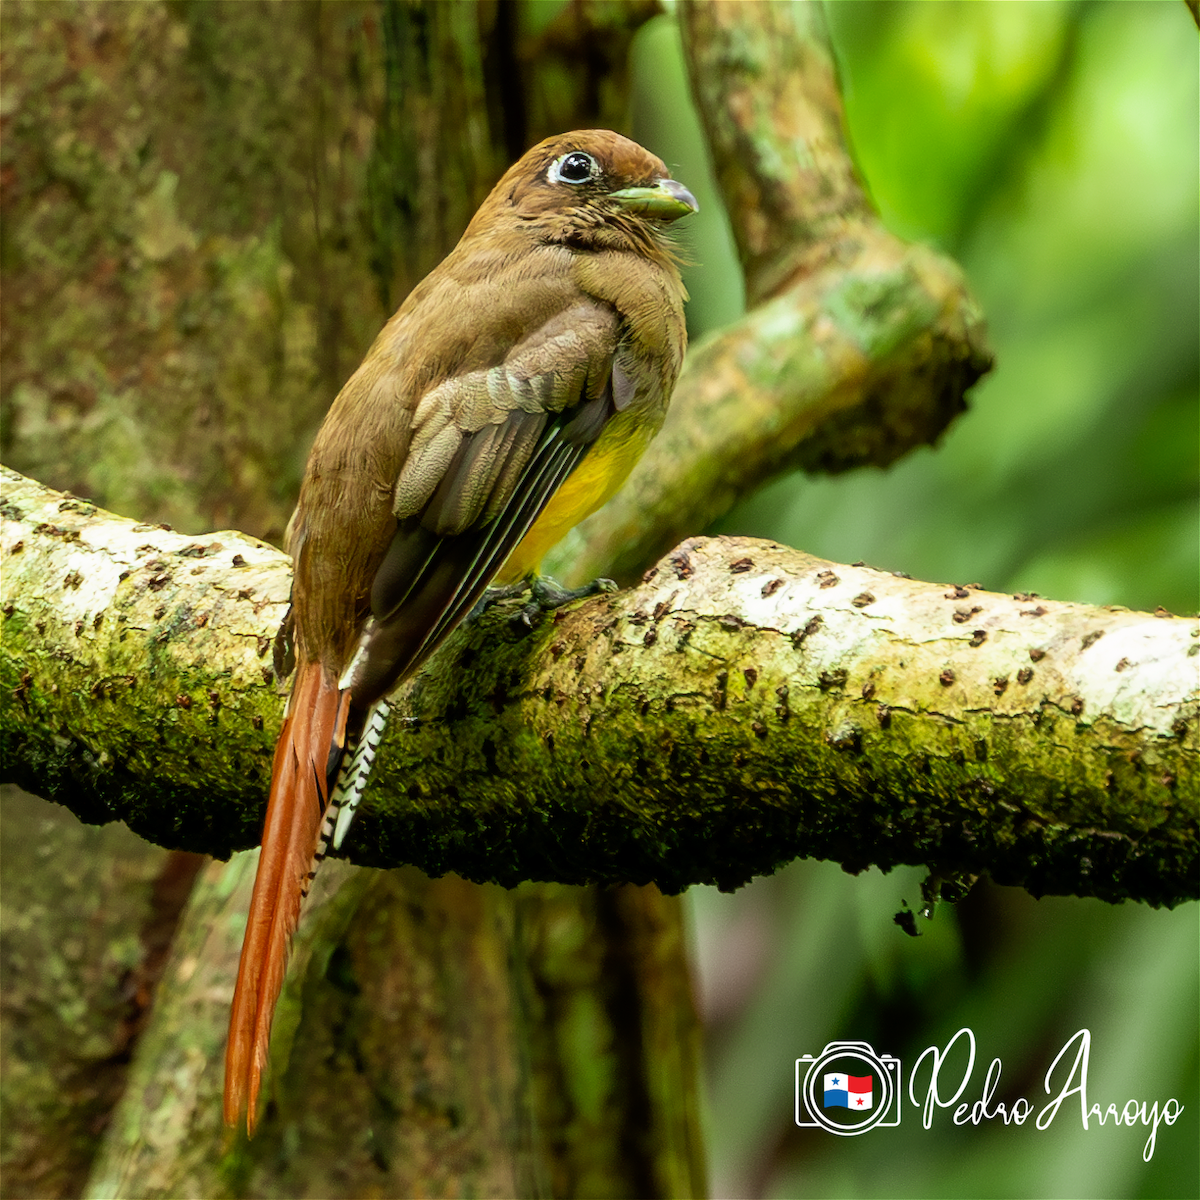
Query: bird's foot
column 546, row 594
column 493, row 596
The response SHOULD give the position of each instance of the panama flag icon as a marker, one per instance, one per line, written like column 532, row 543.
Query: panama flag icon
column 848, row 1091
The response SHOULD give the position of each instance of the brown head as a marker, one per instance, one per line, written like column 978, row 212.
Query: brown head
column 591, row 189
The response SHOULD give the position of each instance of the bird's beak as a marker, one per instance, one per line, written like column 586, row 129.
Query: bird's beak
column 667, row 200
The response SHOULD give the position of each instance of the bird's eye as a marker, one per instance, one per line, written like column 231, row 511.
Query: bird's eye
column 575, row 167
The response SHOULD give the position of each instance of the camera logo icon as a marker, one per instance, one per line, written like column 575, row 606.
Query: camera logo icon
column 847, row 1089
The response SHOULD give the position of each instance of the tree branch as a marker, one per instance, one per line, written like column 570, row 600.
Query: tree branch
column 745, row 705
column 858, row 346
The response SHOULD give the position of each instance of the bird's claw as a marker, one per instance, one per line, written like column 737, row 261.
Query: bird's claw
column 493, row 596
column 550, row 594
column 547, row 594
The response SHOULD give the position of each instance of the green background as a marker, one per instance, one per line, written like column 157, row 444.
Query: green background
column 1052, row 149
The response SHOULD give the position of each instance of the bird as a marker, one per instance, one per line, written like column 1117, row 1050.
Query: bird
column 507, row 398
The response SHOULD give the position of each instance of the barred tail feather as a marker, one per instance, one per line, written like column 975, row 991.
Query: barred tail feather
column 309, row 745
column 352, row 777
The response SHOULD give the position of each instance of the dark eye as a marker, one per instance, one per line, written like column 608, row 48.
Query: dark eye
column 575, row 167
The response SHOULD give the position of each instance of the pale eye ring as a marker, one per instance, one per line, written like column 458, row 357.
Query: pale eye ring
column 573, row 167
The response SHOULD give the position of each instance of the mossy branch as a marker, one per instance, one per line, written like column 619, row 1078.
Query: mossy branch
column 744, row 705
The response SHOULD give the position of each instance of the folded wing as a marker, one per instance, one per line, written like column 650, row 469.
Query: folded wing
column 488, row 450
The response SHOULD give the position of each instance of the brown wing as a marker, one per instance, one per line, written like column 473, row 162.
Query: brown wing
column 487, row 452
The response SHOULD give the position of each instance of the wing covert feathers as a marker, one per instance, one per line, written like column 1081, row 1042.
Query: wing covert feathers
column 295, row 812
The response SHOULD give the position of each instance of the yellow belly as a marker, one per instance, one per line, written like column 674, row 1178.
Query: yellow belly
column 606, row 466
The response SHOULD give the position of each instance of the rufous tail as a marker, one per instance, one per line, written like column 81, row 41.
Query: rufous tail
column 310, row 743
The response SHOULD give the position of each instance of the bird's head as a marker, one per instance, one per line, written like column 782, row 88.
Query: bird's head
column 592, row 189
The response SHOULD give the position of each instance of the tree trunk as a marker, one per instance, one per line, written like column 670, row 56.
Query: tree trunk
column 436, row 1038
column 87, row 918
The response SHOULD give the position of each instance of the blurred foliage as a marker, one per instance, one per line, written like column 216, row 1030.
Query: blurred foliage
column 1052, row 147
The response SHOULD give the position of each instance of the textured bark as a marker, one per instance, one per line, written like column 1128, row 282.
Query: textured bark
column 85, row 924
column 611, row 1029
column 766, row 87
column 187, row 277
column 856, row 347
column 745, row 705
